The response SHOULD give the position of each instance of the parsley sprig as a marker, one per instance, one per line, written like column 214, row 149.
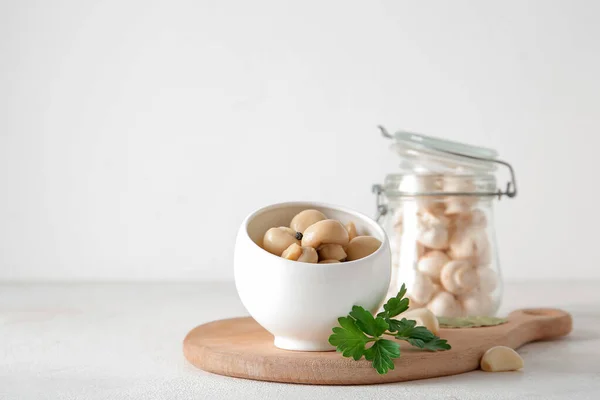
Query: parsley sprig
column 361, row 334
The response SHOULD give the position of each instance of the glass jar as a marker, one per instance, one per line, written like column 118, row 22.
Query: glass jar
column 437, row 212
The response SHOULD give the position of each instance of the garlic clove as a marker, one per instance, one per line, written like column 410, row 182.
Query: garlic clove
column 300, row 253
column 309, row 255
column 306, row 218
column 277, row 240
column 444, row 304
column 293, row 252
column 351, row 228
column 431, row 264
column 501, row 359
column 327, row 231
column 331, row 252
column 362, row 246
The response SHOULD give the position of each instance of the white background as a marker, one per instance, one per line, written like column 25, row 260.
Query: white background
column 136, row 135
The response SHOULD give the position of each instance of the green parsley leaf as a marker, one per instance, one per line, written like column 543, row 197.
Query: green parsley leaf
column 395, row 305
column 404, row 327
column 382, row 353
column 437, row 344
column 416, row 342
column 348, row 338
column 420, row 332
column 402, row 291
column 366, row 322
column 360, row 328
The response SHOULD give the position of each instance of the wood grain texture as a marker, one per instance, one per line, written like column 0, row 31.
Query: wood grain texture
column 241, row 348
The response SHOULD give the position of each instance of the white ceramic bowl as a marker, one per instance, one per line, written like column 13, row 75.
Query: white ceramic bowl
column 299, row 303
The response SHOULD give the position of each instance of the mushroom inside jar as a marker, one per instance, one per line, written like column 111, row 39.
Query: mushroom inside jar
column 454, row 272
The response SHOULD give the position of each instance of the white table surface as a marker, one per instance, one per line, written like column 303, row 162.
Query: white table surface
column 123, row 341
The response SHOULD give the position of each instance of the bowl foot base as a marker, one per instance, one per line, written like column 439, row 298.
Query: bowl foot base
column 287, row 343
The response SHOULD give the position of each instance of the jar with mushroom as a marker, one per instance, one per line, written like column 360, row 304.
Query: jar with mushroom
column 438, row 215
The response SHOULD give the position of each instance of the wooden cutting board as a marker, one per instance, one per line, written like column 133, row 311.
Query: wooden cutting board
column 241, row 348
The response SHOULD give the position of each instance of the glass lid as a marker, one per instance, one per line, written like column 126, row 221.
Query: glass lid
column 425, row 161
column 423, row 154
column 418, row 140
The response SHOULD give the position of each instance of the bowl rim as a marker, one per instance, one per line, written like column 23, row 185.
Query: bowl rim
column 364, row 217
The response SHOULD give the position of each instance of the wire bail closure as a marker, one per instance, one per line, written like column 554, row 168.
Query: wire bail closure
column 510, row 191
column 382, row 208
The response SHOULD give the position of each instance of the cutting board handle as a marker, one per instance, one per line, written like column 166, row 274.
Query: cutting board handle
column 533, row 324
